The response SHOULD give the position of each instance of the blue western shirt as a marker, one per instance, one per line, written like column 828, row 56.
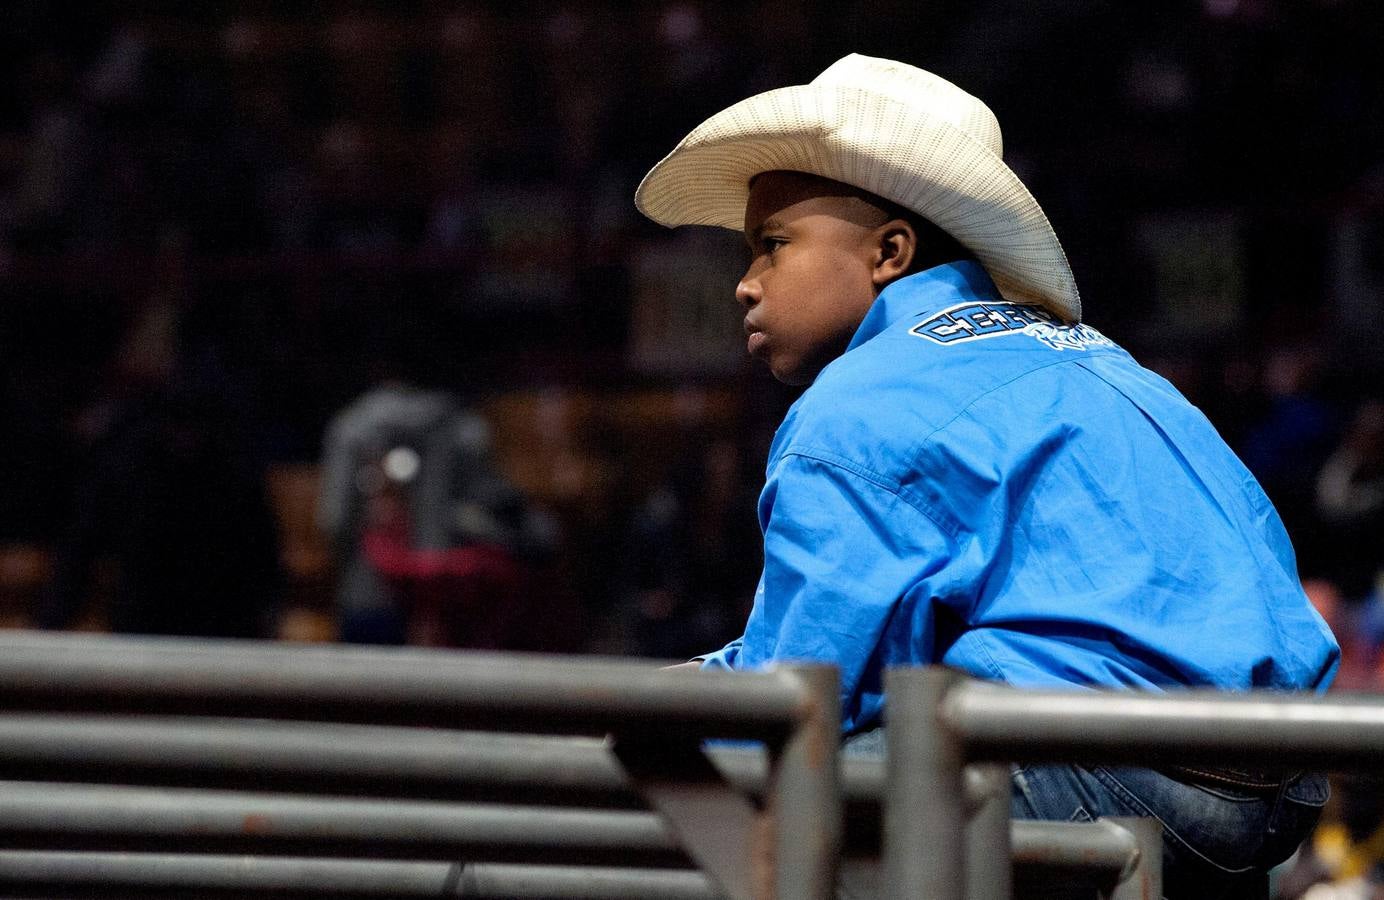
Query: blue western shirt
column 975, row 483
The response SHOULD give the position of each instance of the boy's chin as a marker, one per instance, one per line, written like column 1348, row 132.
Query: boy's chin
column 794, row 377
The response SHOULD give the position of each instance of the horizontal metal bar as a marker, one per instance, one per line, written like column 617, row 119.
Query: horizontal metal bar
column 1097, row 845
column 325, row 877
column 77, row 672
column 1003, row 723
column 519, row 881
column 53, row 746
column 269, row 823
column 141, row 874
column 118, row 817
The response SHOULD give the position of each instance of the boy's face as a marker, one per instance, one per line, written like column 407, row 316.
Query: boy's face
column 813, row 251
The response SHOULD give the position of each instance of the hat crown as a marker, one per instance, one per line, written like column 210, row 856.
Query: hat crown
column 918, row 89
column 888, row 128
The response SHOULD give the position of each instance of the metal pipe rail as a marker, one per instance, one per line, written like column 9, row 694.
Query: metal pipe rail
column 940, row 721
column 1103, row 858
column 192, row 819
column 319, row 758
column 657, row 719
column 359, row 760
column 128, row 817
column 146, row 875
column 1103, row 848
column 1338, row 732
column 1102, row 852
column 544, row 694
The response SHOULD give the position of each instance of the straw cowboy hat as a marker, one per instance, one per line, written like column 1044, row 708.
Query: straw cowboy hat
column 888, row 128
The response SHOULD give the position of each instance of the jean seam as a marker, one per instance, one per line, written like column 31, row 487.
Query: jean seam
column 1115, row 786
column 1019, row 776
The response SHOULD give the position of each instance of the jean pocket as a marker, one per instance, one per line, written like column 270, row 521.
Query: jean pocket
column 1200, row 827
column 1295, row 817
column 1312, row 789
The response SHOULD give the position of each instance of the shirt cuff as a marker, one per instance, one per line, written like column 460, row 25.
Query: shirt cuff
column 723, row 659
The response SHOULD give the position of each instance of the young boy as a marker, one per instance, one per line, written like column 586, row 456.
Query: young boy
column 974, row 478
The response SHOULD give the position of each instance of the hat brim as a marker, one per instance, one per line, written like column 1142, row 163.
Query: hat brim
column 892, row 149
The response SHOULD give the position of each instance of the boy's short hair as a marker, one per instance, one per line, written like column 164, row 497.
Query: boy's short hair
column 935, row 246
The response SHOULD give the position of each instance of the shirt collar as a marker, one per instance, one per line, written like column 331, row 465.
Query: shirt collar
column 925, row 292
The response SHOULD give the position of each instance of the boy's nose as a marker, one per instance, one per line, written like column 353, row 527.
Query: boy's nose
column 747, row 292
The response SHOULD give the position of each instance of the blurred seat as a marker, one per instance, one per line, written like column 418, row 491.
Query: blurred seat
column 307, row 609
column 24, row 570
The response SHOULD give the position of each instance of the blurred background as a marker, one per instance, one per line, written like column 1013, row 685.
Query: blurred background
column 318, row 317
column 335, row 321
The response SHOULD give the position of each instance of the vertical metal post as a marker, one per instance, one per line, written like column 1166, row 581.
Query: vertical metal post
column 989, row 869
column 1145, row 882
column 713, row 822
column 804, row 794
column 924, row 797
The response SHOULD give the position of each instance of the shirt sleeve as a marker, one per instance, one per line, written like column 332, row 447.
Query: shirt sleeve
column 853, row 573
column 723, row 659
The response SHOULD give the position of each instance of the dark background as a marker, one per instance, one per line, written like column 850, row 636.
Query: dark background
column 253, row 204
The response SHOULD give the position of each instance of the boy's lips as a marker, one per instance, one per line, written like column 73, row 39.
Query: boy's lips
column 755, row 338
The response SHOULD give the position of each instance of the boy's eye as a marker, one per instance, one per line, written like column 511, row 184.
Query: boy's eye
column 773, row 243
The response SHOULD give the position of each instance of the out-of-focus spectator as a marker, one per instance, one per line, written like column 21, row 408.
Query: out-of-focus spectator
column 1355, row 278
column 415, row 509
column 1345, row 860
column 173, row 496
column 1290, row 441
column 424, row 430
column 52, row 160
column 491, row 586
column 1350, row 500
column 689, row 557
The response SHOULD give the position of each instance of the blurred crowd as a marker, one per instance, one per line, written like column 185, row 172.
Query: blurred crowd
column 336, row 321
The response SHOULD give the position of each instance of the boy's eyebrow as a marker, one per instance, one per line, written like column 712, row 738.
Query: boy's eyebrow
column 770, row 224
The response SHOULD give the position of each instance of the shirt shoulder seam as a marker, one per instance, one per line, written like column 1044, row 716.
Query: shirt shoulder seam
column 828, row 458
column 969, row 404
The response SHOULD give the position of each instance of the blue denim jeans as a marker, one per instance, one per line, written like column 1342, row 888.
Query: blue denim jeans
column 1218, row 843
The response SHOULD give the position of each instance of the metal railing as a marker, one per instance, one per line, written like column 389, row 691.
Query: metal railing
column 172, row 787
column 210, row 876
column 325, row 777
column 655, row 721
column 941, row 721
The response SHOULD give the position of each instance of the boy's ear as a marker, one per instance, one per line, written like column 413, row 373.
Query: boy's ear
column 896, row 244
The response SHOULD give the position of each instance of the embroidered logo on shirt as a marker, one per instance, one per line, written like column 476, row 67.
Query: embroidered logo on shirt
column 973, row 321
